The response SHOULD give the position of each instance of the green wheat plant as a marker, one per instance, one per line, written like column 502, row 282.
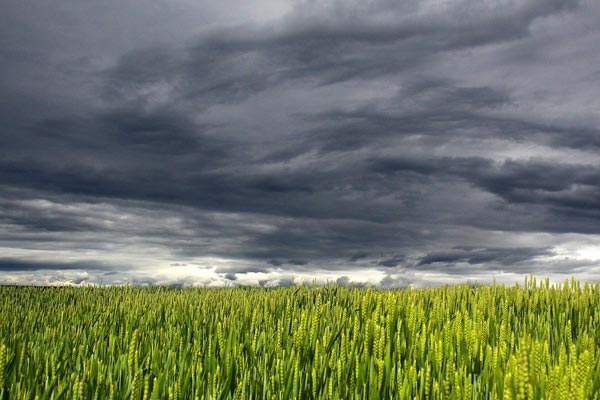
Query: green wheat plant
column 530, row 341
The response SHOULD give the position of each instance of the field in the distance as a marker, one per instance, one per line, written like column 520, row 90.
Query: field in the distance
column 490, row 342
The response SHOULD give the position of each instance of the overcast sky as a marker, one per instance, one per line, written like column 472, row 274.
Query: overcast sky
column 233, row 142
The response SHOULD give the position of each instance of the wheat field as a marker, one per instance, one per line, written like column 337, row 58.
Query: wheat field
column 528, row 341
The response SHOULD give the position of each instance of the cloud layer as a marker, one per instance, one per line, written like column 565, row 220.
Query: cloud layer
column 388, row 143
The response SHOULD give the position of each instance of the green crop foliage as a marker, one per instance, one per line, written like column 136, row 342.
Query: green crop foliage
column 452, row 342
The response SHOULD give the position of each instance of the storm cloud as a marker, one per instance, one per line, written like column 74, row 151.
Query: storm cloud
column 269, row 142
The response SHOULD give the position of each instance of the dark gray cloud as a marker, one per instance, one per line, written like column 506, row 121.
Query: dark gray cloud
column 393, row 261
column 504, row 256
column 381, row 142
column 358, row 255
column 9, row 264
